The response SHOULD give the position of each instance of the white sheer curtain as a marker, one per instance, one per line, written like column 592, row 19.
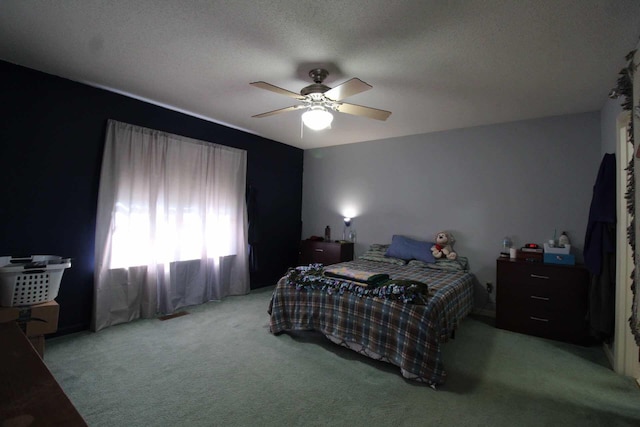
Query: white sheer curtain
column 171, row 228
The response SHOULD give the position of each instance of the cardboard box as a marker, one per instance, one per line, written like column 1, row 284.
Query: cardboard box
column 34, row 320
column 566, row 259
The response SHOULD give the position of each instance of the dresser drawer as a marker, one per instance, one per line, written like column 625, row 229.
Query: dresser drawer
column 539, row 274
column 326, row 253
column 545, row 297
column 318, row 253
column 546, row 322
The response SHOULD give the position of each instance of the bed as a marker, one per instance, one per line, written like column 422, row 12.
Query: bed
column 399, row 321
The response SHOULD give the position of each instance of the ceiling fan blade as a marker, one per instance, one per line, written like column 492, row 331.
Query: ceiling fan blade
column 276, row 89
column 281, row 110
column 346, row 89
column 359, row 110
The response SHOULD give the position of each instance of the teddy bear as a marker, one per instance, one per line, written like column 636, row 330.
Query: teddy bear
column 443, row 247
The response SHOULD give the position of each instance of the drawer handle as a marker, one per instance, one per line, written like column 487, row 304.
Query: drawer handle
column 537, row 276
column 319, row 250
column 540, row 298
column 539, row 319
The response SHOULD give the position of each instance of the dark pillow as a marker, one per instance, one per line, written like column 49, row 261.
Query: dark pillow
column 407, row 249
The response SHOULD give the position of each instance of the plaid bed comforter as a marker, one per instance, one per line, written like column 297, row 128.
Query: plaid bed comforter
column 407, row 335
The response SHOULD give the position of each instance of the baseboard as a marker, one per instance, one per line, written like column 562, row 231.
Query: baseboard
column 609, row 354
column 70, row 329
column 484, row 312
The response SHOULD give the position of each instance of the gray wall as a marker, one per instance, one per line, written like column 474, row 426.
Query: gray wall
column 522, row 179
column 609, row 124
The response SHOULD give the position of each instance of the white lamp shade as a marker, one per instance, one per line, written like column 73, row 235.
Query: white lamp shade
column 317, row 118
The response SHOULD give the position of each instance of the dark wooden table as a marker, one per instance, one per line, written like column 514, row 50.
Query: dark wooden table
column 29, row 394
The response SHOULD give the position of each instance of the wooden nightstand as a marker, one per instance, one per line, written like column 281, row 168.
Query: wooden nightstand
column 545, row 300
column 326, row 253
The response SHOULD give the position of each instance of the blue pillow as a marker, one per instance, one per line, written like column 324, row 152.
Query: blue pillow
column 407, row 249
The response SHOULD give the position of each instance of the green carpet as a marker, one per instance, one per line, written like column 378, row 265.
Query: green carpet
column 220, row 366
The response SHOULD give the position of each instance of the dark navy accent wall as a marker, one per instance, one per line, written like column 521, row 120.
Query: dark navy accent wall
column 52, row 137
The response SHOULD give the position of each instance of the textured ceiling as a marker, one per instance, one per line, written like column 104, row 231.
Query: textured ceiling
column 437, row 65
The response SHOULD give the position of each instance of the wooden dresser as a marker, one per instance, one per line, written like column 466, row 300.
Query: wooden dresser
column 545, row 300
column 29, row 394
column 312, row 251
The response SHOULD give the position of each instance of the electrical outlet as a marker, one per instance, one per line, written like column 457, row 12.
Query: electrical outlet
column 489, row 287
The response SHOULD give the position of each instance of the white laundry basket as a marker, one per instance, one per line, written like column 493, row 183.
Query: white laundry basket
column 30, row 280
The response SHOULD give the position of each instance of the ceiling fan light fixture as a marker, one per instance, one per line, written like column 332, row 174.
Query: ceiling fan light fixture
column 317, row 118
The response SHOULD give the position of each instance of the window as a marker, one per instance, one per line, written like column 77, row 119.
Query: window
column 166, row 199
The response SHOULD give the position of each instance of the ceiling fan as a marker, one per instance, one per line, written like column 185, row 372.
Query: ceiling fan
column 319, row 99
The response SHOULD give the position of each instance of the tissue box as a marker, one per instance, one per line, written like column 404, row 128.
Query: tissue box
column 566, row 259
column 554, row 250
